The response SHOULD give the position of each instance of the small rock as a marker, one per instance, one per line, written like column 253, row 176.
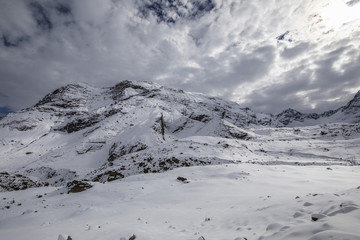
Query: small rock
column 182, row 179
column 133, row 237
column 317, row 216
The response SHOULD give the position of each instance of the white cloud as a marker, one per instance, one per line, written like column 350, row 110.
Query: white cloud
column 230, row 51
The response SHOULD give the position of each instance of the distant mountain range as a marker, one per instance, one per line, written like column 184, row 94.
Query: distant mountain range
column 79, row 134
column 350, row 113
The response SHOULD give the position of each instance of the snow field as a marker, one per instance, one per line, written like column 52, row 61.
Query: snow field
column 220, row 202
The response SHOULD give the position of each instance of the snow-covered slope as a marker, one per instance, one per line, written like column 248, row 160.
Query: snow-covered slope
column 222, row 202
column 79, row 132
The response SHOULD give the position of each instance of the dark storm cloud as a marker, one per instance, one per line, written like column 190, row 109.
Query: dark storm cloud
column 41, row 16
column 63, row 8
column 169, row 11
column 15, row 42
column 279, row 96
column 322, row 86
column 224, row 48
column 221, row 75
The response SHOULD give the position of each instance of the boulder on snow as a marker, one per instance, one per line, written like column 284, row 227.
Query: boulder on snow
column 317, row 216
column 133, row 237
column 182, row 179
column 76, row 186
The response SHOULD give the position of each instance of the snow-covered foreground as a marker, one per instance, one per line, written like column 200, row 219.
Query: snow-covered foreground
column 228, row 202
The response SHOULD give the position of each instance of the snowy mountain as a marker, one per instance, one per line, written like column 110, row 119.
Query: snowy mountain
column 350, row 113
column 105, row 134
column 79, row 132
column 235, row 174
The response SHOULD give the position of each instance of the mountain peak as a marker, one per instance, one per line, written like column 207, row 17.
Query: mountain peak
column 289, row 115
column 68, row 96
column 353, row 105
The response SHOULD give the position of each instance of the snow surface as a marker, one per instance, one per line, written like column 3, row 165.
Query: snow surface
column 219, row 202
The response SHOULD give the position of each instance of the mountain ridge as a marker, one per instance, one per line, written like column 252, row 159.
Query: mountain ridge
column 83, row 133
column 347, row 113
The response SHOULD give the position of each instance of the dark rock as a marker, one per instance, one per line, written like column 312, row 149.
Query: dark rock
column 118, row 90
column 317, row 216
column 108, row 176
column 314, row 218
column 16, row 182
column 201, row 118
column 79, row 124
column 76, row 186
column 116, row 151
column 182, row 179
column 21, row 125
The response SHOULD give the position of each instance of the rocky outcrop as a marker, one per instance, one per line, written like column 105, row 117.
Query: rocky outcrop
column 16, row 182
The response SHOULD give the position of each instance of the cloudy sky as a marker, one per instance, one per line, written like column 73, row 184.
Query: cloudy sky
column 264, row 54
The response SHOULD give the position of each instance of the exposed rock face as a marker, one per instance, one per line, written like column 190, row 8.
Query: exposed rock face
column 290, row 115
column 67, row 97
column 16, row 182
column 353, row 107
column 77, row 186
